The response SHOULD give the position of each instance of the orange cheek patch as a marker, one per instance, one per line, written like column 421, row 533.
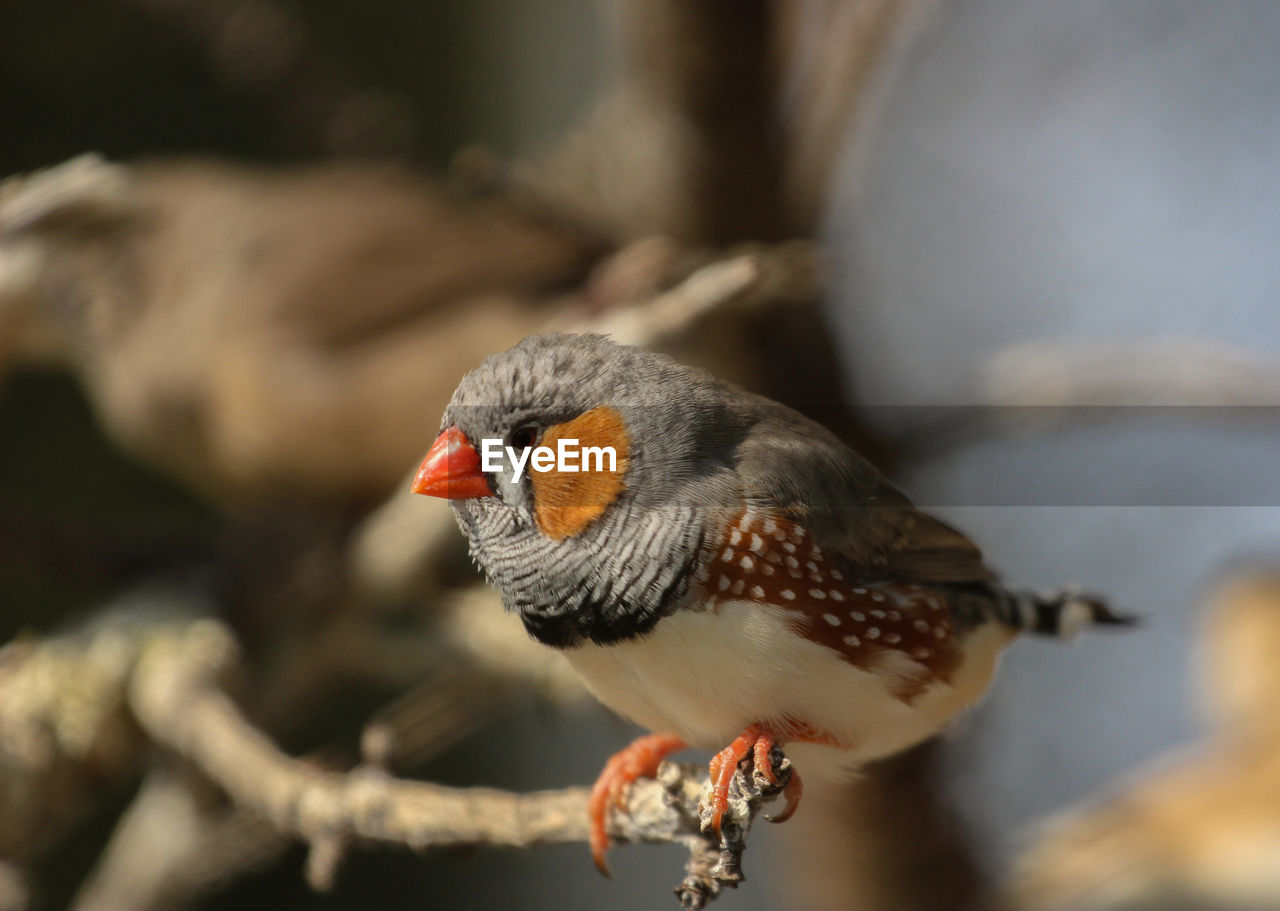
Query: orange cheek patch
column 565, row 502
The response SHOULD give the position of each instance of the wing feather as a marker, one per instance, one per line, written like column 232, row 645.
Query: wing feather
column 800, row 469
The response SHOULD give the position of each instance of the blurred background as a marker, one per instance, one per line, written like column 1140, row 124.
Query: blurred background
column 1047, row 308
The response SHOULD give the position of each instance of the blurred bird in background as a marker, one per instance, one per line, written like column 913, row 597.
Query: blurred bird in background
column 1198, row 830
column 252, row 331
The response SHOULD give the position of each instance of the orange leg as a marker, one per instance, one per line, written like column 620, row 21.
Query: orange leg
column 754, row 739
column 638, row 760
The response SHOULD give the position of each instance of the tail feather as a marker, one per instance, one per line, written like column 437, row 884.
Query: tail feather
column 1061, row 615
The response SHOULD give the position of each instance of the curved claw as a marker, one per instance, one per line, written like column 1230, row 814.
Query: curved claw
column 638, row 760
column 598, row 839
column 792, row 793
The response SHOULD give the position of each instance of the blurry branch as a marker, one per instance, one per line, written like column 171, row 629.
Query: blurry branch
column 175, row 697
column 1156, row 372
column 740, row 283
column 729, row 116
column 839, row 57
column 1239, row 646
column 169, row 847
column 685, row 145
column 1201, row 828
column 65, row 731
column 705, row 70
column 172, row 845
column 1041, row 385
column 167, row 668
column 87, row 189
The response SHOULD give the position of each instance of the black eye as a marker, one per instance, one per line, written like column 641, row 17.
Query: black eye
column 524, row 436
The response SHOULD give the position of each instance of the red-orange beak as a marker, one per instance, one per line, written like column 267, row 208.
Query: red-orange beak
column 451, row 469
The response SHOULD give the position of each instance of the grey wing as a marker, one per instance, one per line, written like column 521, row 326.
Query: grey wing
column 799, row 469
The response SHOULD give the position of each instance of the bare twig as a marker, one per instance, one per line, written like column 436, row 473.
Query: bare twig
column 66, row 735
column 175, row 696
column 739, row 283
column 176, row 699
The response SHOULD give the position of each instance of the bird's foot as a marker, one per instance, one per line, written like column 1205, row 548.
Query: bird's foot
column 758, row 742
column 638, row 760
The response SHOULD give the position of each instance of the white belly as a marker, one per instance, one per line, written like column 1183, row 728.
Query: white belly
column 705, row 676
